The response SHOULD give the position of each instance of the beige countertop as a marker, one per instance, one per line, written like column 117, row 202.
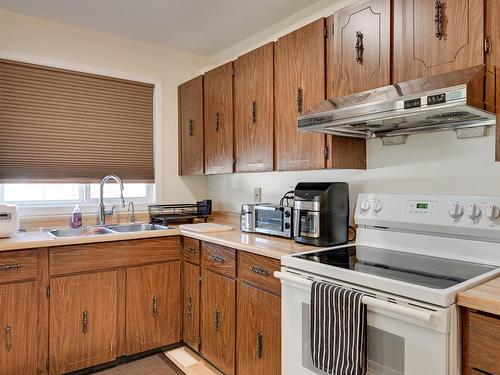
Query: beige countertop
column 484, row 297
column 269, row 246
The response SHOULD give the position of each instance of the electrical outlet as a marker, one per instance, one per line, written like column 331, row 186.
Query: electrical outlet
column 257, row 195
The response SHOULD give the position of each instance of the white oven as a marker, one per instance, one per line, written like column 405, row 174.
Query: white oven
column 403, row 337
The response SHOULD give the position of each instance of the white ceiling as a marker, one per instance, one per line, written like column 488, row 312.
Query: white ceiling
column 202, row 27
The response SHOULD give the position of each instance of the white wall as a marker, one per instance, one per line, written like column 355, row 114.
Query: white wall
column 429, row 163
column 47, row 40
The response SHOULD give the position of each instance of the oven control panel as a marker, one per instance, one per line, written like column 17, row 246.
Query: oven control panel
column 463, row 215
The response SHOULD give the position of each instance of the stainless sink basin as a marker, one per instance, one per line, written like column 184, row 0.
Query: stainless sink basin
column 136, row 227
column 84, row 231
column 89, row 231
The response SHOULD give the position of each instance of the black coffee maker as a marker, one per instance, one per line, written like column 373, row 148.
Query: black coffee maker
column 321, row 213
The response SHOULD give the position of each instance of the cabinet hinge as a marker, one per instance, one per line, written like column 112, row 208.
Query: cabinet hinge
column 47, row 364
column 325, row 31
column 47, row 291
column 199, row 341
column 201, row 279
column 326, row 152
column 487, row 45
column 233, row 71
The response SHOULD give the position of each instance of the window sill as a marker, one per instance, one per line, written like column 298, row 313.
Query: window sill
column 66, row 209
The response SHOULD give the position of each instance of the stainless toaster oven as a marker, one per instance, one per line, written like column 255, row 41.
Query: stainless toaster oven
column 270, row 219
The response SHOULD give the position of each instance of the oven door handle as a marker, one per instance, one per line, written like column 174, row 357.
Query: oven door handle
column 423, row 316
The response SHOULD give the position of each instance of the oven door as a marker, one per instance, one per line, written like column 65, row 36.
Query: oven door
column 269, row 220
column 396, row 343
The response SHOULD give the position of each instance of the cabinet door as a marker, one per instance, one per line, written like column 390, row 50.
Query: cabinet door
column 218, row 99
column 258, row 332
column 493, row 56
column 153, row 306
column 359, row 53
column 191, row 308
column 218, row 320
column 425, row 46
column 18, row 328
column 83, row 324
column 191, row 127
column 253, row 110
column 299, row 84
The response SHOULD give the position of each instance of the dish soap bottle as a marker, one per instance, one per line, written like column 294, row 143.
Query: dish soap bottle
column 76, row 218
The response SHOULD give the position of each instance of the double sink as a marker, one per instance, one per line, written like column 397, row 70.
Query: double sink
column 99, row 230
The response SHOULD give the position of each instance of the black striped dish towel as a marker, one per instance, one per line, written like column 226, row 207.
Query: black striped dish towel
column 338, row 330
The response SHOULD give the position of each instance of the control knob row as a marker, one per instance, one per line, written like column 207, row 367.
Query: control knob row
column 376, row 205
column 474, row 211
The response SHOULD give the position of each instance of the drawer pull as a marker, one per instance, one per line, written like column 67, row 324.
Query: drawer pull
column 259, row 271
column 10, row 266
column 360, row 48
column 190, row 306
column 154, row 307
column 217, row 319
column 85, row 322
column 191, row 250
column 253, row 111
column 191, row 127
column 300, row 100
column 439, row 19
column 217, row 258
column 260, row 346
column 217, row 121
column 8, row 338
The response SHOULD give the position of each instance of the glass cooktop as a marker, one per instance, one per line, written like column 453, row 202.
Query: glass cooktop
column 433, row 272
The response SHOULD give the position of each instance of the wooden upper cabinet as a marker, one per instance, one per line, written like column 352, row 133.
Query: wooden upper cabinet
column 359, row 48
column 424, row 47
column 153, row 306
column 253, row 110
column 299, row 84
column 492, row 32
column 218, row 101
column 19, row 331
column 191, row 127
column 83, row 321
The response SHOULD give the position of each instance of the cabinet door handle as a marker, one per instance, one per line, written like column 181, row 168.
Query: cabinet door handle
column 217, row 121
column 217, row 258
column 360, row 47
column 191, row 250
column 300, row 99
column 190, row 306
column 439, row 19
column 260, row 346
column 191, row 127
column 154, row 307
column 253, row 111
column 217, row 319
column 259, row 271
column 10, row 266
column 85, row 322
column 8, row 338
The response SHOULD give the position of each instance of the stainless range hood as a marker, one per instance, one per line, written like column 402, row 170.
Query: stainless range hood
column 463, row 100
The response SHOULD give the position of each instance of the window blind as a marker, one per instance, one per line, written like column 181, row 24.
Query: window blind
column 61, row 125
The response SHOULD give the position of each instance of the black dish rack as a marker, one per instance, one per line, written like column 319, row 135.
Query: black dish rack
column 167, row 213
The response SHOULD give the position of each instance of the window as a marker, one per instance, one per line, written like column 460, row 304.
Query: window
column 66, row 194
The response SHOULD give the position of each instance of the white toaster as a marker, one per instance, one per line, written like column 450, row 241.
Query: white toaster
column 9, row 220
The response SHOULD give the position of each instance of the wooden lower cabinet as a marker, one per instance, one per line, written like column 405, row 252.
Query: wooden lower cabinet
column 258, row 332
column 18, row 324
column 83, row 321
column 153, row 306
column 218, row 320
column 191, row 305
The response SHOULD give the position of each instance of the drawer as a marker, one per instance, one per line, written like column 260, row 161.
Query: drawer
column 259, row 271
column 219, row 259
column 484, row 343
column 191, row 250
column 109, row 255
column 18, row 265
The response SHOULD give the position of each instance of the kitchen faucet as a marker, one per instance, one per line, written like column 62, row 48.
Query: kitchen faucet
column 101, row 213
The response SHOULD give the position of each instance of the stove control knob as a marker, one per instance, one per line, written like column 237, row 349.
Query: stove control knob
column 365, row 206
column 493, row 212
column 456, row 211
column 474, row 212
column 377, row 205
